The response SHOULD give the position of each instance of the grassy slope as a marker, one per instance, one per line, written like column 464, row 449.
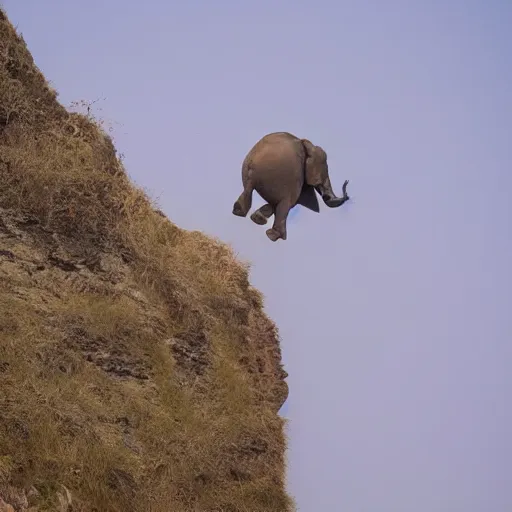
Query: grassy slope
column 137, row 368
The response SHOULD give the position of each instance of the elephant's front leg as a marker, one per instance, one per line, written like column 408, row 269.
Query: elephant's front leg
column 243, row 203
column 278, row 230
column 261, row 215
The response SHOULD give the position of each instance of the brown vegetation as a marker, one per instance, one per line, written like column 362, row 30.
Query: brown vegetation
column 138, row 371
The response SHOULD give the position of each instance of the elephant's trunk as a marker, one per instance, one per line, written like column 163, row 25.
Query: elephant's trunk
column 328, row 196
column 334, row 202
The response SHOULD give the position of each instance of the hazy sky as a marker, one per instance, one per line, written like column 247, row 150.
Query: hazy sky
column 395, row 310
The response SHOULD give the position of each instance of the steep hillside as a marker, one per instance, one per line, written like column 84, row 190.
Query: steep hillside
column 138, row 371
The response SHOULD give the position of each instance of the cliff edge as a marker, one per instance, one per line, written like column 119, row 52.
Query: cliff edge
column 138, row 371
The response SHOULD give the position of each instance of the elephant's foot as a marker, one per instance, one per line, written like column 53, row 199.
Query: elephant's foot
column 259, row 218
column 243, row 203
column 239, row 210
column 274, row 235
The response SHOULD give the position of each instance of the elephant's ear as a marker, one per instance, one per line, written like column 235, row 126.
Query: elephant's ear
column 312, row 166
column 308, row 198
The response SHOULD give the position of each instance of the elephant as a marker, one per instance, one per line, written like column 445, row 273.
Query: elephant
column 285, row 171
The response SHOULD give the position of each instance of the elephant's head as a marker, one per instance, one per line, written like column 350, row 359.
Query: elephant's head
column 317, row 175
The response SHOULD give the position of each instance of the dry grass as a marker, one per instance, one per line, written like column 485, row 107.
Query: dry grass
column 93, row 396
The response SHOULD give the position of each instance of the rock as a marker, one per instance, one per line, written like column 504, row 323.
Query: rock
column 64, row 497
column 14, row 498
column 5, row 507
column 191, row 351
column 33, row 495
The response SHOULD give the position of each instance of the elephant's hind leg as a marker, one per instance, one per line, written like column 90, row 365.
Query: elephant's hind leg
column 278, row 230
column 261, row 215
column 243, row 203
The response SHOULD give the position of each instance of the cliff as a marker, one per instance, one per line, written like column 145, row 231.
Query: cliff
column 138, row 371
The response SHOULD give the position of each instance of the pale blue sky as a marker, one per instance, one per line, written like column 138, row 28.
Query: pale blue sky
column 396, row 309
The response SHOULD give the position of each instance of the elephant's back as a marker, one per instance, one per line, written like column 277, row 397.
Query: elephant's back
column 276, row 166
column 280, row 139
column 275, row 149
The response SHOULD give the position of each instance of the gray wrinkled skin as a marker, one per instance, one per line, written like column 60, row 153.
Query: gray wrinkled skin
column 285, row 171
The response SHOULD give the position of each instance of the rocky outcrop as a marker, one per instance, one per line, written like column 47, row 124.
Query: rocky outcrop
column 138, row 369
